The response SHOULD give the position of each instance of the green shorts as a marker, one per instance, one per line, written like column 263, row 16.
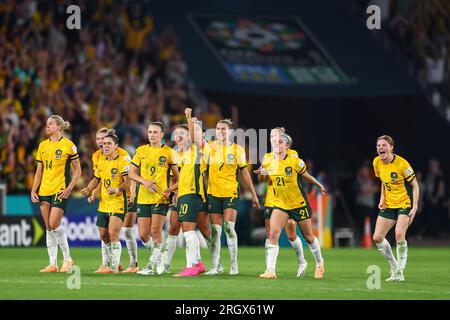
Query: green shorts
column 393, row 214
column 267, row 212
column 188, row 207
column 103, row 218
column 55, row 201
column 217, row 205
column 297, row 214
column 146, row 210
column 133, row 208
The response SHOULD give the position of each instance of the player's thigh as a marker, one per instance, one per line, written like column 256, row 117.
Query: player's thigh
column 55, row 218
column 382, row 227
column 175, row 225
column 188, row 226
column 144, row 227
column 45, row 207
column 157, row 224
column 401, row 227
column 229, row 215
column 291, row 229
column 115, row 224
column 130, row 219
column 278, row 220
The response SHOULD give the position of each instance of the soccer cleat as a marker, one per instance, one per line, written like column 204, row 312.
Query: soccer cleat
column 67, row 265
column 302, row 269
column 131, row 269
column 320, row 270
column 147, row 271
column 399, row 276
column 268, row 275
column 108, row 270
column 166, row 268
column 187, row 272
column 234, row 270
column 392, row 276
column 212, row 271
column 101, row 269
column 50, row 268
column 200, row 268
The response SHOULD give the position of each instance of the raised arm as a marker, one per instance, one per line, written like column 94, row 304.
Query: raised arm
column 314, row 181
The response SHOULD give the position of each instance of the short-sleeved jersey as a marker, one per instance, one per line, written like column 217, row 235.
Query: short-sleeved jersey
column 193, row 163
column 111, row 174
column 395, row 177
column 154, row 164
column 270, row 193
column 98, row 155
column 285, row 178
column 224, row 163
column 55, row 157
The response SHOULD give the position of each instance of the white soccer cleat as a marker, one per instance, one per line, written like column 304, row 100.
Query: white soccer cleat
column 234, row 270
column 399, row 275
column 302, row 269
column 212, row 271
column 392, row 276
column 147, row 271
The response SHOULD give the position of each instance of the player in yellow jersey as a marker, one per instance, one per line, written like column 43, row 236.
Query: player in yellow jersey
column 226, row 164
column 112, row 173
column 191, row 194
column 130, row 217
column 154, row 161
column 398, row 204
column 52, row 187
column 182, row 140
column 290, row 202
column 291, row 225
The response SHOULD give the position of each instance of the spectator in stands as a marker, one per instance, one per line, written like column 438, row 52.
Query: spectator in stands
column 435, row 214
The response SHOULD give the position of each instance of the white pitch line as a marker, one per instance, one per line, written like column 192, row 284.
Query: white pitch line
column 112, row 284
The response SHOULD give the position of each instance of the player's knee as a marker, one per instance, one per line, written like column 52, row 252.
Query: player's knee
column 274, row 235
column 53, row 225
column 173, row 231
column 309, row 237
column 292, row 237
column 145, row 236
column 377, row 238
column 128, row 233
column 155, row 233
column 399, row 236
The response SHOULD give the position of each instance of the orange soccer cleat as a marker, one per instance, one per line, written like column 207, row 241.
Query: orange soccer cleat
column 67, row 265
column 320, row 270
column 50, row 268
column 268, row 275
column 131, row 269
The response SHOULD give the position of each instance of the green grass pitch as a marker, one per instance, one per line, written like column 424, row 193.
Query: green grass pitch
column 427, row 277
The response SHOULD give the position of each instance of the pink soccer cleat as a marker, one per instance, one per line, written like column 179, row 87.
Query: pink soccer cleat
column 187, row 272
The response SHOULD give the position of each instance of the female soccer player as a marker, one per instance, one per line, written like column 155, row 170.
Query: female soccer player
column 130, row 217
column 225, row 160
column 397, row 204
column 154, row 162
column 290, row 202
column 191, row 195
column 51, row 187
column 291, row 225
column 112, row 173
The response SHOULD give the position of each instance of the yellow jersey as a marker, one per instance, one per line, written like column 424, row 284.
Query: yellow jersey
column 98, row 155
column 154, row 164
column 55, row 157
column 193, row 163
column 284, row 175
column 224, row 163
column 111, row 174
column 270, row 193
column 395, row 177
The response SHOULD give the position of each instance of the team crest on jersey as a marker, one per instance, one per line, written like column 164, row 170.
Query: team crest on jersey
column 58, row 154
column 162, row 160
column 288, row 171
column 114, row 173
column 394, row 176
column 230, row 158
